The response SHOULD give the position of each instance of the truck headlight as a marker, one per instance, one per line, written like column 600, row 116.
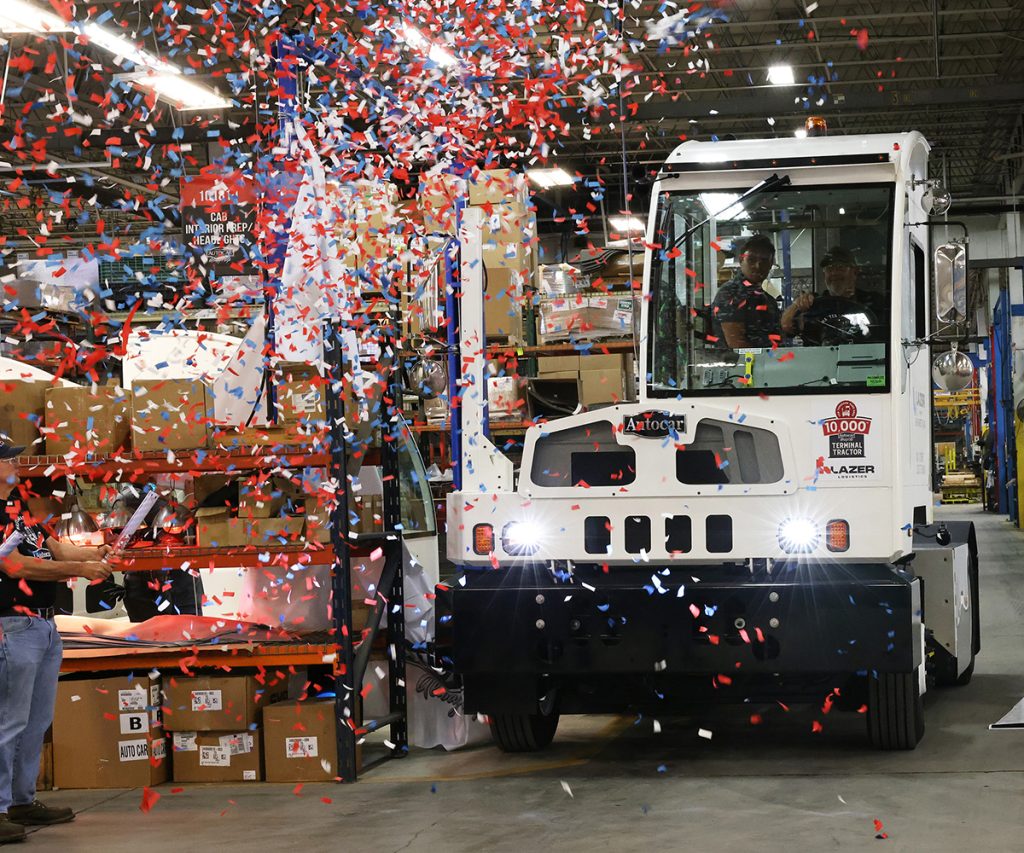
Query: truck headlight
column 798, row 535
column 522, row 538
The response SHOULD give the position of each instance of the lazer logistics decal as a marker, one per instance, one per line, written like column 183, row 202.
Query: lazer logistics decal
column 845, row 442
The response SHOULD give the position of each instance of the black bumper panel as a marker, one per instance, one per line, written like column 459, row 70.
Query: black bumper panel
column 836, row 618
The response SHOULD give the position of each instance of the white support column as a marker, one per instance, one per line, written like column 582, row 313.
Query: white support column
column 484, row 467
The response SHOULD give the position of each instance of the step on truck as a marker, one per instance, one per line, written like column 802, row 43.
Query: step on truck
column 758, row 525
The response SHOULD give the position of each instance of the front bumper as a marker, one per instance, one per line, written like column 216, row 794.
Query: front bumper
column 523, row 623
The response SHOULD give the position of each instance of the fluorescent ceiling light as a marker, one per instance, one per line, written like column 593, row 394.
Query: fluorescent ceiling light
column 167, row 80
column 177, row 89
column 17, row 16
column 416, row 40
column 548, row 178
column 723, row 205
column 125, row 50
column 781, row 75
column 800, row 133
column 626, row 224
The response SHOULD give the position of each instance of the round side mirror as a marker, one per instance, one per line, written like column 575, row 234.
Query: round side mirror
column 952, row 371
column 936, row 199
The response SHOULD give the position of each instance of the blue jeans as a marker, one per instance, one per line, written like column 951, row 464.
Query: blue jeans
column 30, row 655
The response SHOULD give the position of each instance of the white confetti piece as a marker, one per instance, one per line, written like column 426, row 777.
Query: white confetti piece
column 567, row 789
column 704, row 733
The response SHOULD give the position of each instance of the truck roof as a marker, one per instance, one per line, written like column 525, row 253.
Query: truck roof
column 786, row 147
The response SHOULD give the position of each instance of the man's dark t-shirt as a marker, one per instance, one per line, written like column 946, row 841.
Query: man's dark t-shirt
column 12, row 590
column 738, row 301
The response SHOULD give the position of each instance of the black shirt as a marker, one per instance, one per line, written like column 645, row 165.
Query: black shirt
column 13, row 590
column 738, row 301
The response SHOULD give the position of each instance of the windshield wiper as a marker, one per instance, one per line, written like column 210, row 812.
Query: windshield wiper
column 773, row 182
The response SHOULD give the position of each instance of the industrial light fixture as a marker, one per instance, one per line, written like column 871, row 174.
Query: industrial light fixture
column 626, row 224
column 176, row 89
column 17, row 16
column 781, row 75
column 165, row 79
column 548, row 178
column 435, row 52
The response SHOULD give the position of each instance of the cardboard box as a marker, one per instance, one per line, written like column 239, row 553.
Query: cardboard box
column 438, row 195
column 264, row 532
column 494, row 186
column 503, row 303
column 44, row 781
column 216, row 703
column 601, row 386
column 22, row 410
column 217, row 528
column 259, row 500
column 299, row 741
column 170, row 414
column 217, row 756
column 300, row 399
column 107, row 733
column 95, row 421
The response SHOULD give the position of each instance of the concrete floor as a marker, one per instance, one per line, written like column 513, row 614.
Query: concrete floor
column 777, row 786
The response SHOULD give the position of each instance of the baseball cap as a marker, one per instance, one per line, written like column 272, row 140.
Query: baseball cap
column 8, row 450
column 839, row 255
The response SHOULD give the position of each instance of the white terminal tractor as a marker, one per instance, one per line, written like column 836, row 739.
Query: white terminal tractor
column 759, row 525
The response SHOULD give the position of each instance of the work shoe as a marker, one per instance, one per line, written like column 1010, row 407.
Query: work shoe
column 10, row 832
column 37, row 814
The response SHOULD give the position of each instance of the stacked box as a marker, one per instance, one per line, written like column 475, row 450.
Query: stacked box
column 215, row 724
column 300, row 743
column 22, row 411
column 91, row 419
column 170, row 414
column 107, row 733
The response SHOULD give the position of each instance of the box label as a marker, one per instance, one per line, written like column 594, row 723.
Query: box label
column 301, row 747
column 214, row 756
column 185, row 742
column 248, row 775
column 131, row 700
column 239, row 744
column 132, row 724
column 207, row 700
column 133, row 750
column 160, row 749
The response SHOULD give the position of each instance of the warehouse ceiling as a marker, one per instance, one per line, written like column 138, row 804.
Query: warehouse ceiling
column 952, row 69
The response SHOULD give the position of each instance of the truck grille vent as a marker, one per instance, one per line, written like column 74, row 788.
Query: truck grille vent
column 638, row 534
column 718, row 534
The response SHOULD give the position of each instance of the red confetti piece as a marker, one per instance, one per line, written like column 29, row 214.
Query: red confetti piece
column 149, row 799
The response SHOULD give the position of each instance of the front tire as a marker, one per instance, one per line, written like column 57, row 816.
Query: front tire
column 526, row 732
column 895, row 714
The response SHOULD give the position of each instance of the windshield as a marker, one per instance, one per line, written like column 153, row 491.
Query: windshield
column 789, row 289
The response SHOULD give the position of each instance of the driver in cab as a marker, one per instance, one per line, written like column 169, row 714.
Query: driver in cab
column 844, row 314
column 744, row 315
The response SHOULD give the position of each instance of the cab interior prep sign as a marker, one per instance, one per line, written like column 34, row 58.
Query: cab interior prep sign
column 847, row 444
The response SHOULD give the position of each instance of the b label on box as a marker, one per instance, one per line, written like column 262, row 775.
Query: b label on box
column 214, row 756
column 133, row 750
column 301, row 747
column 207, row 700
column 134, row 723
column 131, row 700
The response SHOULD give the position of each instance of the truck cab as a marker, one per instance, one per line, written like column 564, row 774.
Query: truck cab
column 759, row 523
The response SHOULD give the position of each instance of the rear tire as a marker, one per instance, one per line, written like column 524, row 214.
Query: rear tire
column 895, row 715
column 523, row 732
